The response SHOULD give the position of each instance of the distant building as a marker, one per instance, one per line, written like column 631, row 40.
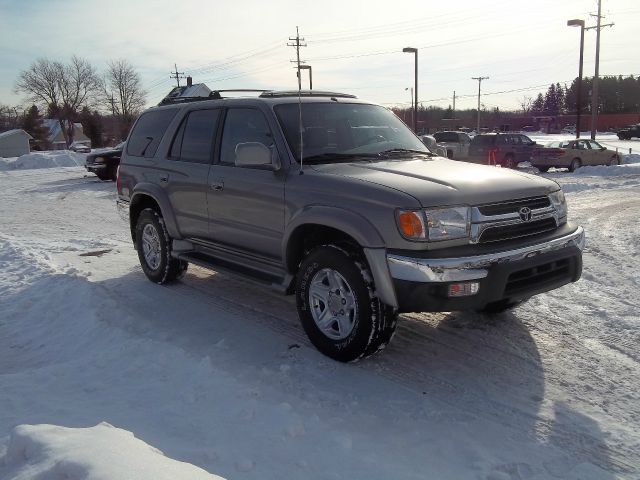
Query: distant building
column 55, row 137
column 14, row 143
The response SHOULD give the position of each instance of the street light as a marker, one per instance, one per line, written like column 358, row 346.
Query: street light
column 308, row 67
column 578, row 23
column 411, row 97
column 415, row 87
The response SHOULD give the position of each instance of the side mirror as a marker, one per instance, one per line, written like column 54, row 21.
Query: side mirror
column 252, row 154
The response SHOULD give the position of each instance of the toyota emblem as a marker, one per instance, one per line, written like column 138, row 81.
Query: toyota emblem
column 525, row 214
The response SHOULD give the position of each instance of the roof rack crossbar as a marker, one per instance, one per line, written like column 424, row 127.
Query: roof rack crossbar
column 305, row 93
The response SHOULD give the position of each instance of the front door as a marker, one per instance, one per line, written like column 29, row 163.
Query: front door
column 246, row 204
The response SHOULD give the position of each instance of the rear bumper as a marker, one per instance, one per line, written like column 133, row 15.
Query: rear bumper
column 421, row 284
column 122, row 206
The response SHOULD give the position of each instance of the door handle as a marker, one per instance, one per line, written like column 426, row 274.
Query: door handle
column 164, row 178
column 217, row 186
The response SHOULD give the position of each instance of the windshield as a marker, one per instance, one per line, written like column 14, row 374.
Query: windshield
column 345, row 131
column 446, row 137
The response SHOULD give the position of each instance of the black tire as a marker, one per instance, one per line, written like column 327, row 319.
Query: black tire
column 576, row 163
column 373, row 322
column 113, row 172
column 501, row 306
column 544, row 169
column 450, row 154
column 167, row 268
column 614, row 160
column 103, row 174
column 508, row 162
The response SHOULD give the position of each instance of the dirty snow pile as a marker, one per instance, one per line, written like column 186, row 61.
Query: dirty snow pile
column 218, row 375
column 99, row 452
column 60, row 158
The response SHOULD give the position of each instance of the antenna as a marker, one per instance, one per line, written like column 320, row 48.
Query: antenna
column 297, row 46
column 177, row 75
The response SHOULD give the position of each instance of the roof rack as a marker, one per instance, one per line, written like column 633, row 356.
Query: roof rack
column 304, row 93
column 216, row 95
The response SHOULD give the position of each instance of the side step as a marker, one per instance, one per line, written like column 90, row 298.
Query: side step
column 282, row 284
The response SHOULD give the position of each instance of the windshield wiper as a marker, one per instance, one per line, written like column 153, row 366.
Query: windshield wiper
column 338, row 157
column 403, row 151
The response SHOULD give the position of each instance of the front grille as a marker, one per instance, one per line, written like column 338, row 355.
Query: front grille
column 539, row 276
column 513, row 206
column 517, row 230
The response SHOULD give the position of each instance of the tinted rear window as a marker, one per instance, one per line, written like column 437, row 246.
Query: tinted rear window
column 446, row 137
column 483, row 140
column 148, row 132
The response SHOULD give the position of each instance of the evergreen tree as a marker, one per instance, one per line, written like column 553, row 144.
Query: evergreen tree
column 92, row 126
column 537, row 107
column 32, row 124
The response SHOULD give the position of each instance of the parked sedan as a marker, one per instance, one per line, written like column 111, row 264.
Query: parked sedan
column 573, row 154
column 80, row 147
column 105, row 162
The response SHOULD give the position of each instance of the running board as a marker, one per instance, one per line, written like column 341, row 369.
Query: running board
column 282, row 284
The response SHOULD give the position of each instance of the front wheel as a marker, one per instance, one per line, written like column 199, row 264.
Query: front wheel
column 576, row 163
column 154, row 249
column 337, row 305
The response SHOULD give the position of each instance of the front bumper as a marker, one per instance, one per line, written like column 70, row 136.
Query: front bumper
column 95, row 167
column 421, row 284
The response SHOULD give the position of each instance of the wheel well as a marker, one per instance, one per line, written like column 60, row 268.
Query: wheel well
column 305, row 237
column 139, row 203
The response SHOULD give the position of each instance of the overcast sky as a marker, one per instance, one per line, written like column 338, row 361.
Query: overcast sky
column 352, row 46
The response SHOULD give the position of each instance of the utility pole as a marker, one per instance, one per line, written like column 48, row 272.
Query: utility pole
column 479, row 83
column 176, row 74
column 594, row 87
column 453, row 113
column 297, row 61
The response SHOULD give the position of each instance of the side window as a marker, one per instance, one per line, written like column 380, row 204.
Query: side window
column 595, row 145
column 148, row 132
column 243, row 125
column 503, row 140
column 193, row 141
column 525, row 140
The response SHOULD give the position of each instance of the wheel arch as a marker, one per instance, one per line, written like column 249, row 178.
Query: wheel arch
column 152, row 196
column 324, row 223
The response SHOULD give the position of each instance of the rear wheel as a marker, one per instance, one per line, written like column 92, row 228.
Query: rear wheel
column 154, row 249
column 508, row 162
column 614, row 160
column 338, row 307
column 576, row 163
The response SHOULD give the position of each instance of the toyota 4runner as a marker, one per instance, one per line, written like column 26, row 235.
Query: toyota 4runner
column 335, row 200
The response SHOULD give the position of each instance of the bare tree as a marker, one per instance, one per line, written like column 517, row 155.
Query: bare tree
column 63, row 89
column 123, row 91
column 525, row 103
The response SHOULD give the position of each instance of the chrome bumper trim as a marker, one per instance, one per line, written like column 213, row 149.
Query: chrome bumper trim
column 475, row 267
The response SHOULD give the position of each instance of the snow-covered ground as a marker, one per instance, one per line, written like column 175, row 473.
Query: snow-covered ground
column 215, row 375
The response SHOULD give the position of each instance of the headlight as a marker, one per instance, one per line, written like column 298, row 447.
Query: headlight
column 448, row 223
column 99, row 160
column 434, row 224
column 560, row 204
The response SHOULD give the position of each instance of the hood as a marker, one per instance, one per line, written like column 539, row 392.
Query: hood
column 439, row 182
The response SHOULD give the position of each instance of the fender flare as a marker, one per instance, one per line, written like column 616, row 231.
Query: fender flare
column 161, row 198
column 347, row 221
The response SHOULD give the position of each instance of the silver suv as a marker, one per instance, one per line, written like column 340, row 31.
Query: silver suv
column 335, row 200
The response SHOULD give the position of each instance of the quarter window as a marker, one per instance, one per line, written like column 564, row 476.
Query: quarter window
column 148, row 132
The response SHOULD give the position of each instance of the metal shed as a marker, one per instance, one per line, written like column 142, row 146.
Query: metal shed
column 14, row 143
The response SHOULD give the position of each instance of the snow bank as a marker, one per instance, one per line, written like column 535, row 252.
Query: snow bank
column 62, row 158
column 611, row 171
column 632, row 158
column 101, row 452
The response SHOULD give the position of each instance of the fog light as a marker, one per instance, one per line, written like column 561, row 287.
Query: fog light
column 463, row 289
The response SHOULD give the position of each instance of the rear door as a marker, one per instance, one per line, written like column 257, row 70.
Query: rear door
column 186, row 171
column 246, row 204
